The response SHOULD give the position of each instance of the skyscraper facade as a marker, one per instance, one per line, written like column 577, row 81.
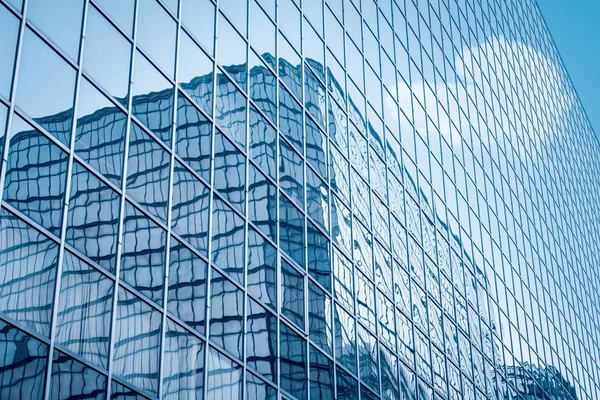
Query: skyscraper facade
column 297, row 199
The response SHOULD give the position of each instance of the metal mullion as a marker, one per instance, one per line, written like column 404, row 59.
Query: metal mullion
column 13, row 95
column 210, row 201
column 122, row 203
column 246, row 201
column 65, row 211
column 169, row 210
column 278, row 296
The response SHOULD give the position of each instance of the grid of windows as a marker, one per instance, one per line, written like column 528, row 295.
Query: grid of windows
column 317, row 199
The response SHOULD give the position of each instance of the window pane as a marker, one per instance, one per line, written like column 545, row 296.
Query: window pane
column 256, row 389
column 73, row 380
column 262, row 34
column 224, row 378
column 226, row 315
column 321, row 375
column 100, row 135
column 9, row 31
column 345, row 339
column 233, row 58
column 137, row 342
column 231, row 110
column 187, row 286
column 93, row 218
column 36, row 176
column 192, row 12
column 263, row 143
column 228, row 241
column 190, row 208
column 319, row 318
column 61, row 22
column 291, row 173
column 262, row 269
column 290, row 119
column 261, row 341
column 112, row 73
column 292, row 294
column 196, row 73
column 230, row 171
column 156, row 34
column 183, row 376
column 293, row 363
column 84, row 311
column 148, row 173
column 28, row 263
column 152, row 98
column 262, row 203
column 46, row 87
column 22, row 364
column 291, row 230
column 193, row 137
column 143, row 255
column 121, row 12
column 347, row 387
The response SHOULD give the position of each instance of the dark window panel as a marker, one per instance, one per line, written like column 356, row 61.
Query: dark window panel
column 226, row 315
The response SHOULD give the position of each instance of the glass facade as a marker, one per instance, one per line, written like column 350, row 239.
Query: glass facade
column 299, row 199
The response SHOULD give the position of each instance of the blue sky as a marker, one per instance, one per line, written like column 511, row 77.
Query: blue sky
column 575, row 27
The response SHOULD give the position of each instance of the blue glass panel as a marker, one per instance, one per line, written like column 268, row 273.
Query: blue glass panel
column 153, row 98
column 148, row 173
column 263, row 143
column 143, row 255
column 156, row 32
column 290, row 119
column 137, row 342
column 291, row 173
column 231, row 110
column 112, row 73
column 257, row 389
column 319, row 260
column 183, row 361
column 261, row 341
column 233, row 60
column 262, row 203
column 262, row 269
column 224, row 377
column 345, row 339
column 187, row 286
column 196, row 73
column 230, row 171
column 46, row 87
column 194, row 11
column 9, row 31
column 93, row 218
column 121, row 12
column 73, row 380
column 293, row 358
column 347, row 387
column 190, row 214
column 292, row 294
column 263, row 87
column 291, row 230
column 321, row 375
column 228, row 241
column 60, row 22
column 84, row 311
column 36, row 175
column 28, row 264
column 100, row 134
column 319, row 318
column 226, row 315
column 22, row 364
column 193, row 137
column 262, row 34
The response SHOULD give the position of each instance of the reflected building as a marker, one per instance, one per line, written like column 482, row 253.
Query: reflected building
column 335, row 199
